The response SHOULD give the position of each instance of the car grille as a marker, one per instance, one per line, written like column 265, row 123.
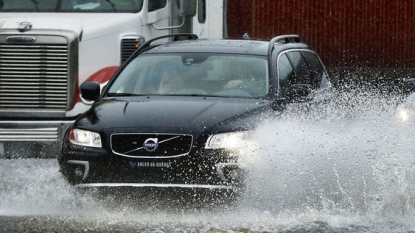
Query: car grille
column 33, row 76
column 161, row 145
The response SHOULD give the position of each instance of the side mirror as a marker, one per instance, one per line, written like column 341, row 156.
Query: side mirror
column 409, row 85
column 187, row 8
column 90, row 91
column 298, row 93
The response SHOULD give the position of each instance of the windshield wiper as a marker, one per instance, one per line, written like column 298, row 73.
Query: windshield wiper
column 36, row 3
column 112, row 5
column 122, row 94
column 58, row 6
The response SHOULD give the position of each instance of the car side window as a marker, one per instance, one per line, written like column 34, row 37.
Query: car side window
column 285, row 73
column 154, row 5
column 317, row 69
column 302, row 71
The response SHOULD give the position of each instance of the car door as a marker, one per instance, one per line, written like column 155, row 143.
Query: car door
column 158, row 17
column 208, row 23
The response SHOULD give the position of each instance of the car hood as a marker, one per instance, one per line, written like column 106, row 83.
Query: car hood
column 156, row 114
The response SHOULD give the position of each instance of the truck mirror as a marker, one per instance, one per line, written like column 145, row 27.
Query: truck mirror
column 90, row 90
column 187, row 7
column 409, row 84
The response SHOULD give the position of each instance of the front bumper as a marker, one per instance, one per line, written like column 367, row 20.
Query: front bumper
column 98, row 168
column 39, row 139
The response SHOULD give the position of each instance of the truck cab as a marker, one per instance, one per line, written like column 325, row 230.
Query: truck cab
column 48, row 48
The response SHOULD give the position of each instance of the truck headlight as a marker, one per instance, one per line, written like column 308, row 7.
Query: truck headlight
column 85, row 138
column 228, row 140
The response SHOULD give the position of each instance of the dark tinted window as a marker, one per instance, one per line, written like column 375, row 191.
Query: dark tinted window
column 302, row 71
column 156, row 4
column 285, row 72
column 317, row 69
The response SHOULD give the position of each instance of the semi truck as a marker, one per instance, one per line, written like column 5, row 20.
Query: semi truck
column 48, row 48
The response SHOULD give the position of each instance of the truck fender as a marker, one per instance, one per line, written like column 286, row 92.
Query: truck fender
column 102, row 76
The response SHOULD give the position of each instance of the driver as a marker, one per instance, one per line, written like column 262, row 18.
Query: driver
column 241, row 81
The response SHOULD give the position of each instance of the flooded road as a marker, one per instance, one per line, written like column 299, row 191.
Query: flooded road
column 348, row 167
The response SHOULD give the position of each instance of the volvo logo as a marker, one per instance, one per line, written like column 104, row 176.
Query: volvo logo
column 21, row 39
column 150, row 144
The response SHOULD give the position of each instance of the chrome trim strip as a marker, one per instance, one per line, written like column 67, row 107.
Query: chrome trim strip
column 151, row 157
column 85, row 163
column 37, row 122
column 152, row 185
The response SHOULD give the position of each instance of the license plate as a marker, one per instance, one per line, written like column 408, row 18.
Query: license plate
column 150, row 164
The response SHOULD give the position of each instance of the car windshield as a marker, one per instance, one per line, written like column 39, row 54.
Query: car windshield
column 224, row 75
column 97, row 6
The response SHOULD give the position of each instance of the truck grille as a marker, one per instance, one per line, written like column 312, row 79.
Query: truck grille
column 168, row 145
column 129, row 46
column 33, row 76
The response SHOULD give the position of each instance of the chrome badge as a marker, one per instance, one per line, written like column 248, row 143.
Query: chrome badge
column 150, row 144
column 21, row 39
column 24, row 26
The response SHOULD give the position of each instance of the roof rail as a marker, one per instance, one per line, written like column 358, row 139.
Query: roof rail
column 176, row 37
column 285, row 39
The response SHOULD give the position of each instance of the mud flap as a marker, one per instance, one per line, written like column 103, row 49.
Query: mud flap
column 2, row 153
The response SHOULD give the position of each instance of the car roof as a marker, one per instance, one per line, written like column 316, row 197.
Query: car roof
column 251, row 47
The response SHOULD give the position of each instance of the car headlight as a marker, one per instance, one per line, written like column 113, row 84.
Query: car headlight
column 228, row 140
column 403, row 115
column 85, row 138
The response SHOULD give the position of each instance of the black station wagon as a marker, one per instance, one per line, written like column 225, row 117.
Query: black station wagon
column 180, row 114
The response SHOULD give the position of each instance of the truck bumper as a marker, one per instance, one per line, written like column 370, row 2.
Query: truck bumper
column 32, row 139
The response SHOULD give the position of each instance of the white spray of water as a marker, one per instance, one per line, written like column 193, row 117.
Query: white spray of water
column 350, row 158
column 35, row 187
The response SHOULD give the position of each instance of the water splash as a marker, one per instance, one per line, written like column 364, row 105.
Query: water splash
column 35, row 187
column 350, row 158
